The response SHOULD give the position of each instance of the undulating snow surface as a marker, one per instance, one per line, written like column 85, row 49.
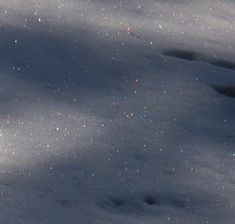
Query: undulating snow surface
column 117, row 112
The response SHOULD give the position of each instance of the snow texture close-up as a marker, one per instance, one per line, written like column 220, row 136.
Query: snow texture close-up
column 117, row 112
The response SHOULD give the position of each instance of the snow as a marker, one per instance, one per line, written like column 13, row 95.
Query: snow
column 117, row 112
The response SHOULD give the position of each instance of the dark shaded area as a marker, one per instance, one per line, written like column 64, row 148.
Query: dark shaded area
column 226, row 90
column 182, row 54
column 165, row 200
column 151, row 200
column 43, row 54
column 194, row 56
column 117, row 202
column 224, row 64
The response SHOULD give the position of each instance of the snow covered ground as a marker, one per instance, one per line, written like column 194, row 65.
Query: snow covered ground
column 117, row 112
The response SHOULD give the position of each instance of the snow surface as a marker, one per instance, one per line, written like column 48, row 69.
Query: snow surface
column 117, row 112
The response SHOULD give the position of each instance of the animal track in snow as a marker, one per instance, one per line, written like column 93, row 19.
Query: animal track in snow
column 194, row 56
column 117, row 202
column 226, row 90
column 182, row 54
column 148, row 203
column 151, row 200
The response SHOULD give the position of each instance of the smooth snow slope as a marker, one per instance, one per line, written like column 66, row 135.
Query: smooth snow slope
column 117, row 112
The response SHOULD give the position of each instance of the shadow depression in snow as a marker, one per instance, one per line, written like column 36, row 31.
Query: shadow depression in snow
column 194, row 56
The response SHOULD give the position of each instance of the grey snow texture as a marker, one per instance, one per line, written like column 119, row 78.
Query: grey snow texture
column 117, row 112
